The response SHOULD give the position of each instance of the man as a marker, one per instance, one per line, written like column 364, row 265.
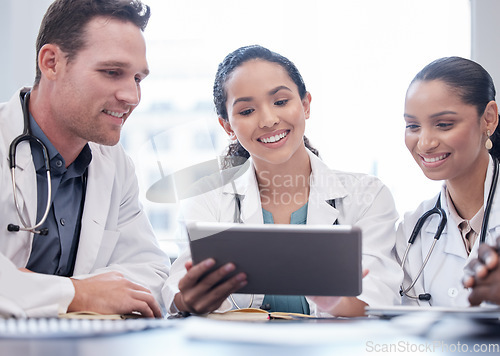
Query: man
column 99, row 252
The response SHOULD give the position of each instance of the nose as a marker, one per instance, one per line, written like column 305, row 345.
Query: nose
column 427, row 141
column 268, row 118
column 129, row 92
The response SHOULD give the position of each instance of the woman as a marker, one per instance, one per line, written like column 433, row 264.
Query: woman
column 263, row 105
column 451, row 117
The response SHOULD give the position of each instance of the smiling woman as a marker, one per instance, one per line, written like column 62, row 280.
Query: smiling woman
column 451, row 131
column 263, row 104
column 357, row 96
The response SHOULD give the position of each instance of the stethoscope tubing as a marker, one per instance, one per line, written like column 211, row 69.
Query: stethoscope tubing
column 442, row 223
column 27, row 135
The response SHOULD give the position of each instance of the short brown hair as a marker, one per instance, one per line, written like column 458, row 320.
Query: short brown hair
column 64, row 22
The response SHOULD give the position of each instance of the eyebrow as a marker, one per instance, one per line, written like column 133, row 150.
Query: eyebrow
column 441, row 113
column 270, row 92
column 433, row 116
column 145, row 71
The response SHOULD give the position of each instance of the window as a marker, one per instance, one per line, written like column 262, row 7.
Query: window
column 357, row 59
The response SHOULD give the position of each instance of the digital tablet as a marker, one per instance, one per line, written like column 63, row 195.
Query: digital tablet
column 322, row 260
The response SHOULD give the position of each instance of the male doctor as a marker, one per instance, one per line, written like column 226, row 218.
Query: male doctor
column 96, row 250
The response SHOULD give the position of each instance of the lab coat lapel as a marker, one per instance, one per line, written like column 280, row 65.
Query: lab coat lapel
column 450, row 240
column 96, row 209
column 493, row 230
column 324, row 188
column 246, row 187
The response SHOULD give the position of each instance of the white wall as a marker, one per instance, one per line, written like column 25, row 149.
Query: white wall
column 19, row 24
column 20, row 20
column 485, row 35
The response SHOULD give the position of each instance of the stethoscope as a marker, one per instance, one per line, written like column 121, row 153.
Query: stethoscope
column 27, row 135
column 442, row 223
column 237, row 220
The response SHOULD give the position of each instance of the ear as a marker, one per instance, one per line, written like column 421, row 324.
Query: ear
column 306, row 103
column 50, row 60
column 490, row 116
column 227, row 127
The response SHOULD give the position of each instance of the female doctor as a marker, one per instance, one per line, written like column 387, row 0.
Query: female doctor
column 263, row 105
column 451, row 117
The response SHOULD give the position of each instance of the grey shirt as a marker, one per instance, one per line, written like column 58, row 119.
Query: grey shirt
column 55, row 253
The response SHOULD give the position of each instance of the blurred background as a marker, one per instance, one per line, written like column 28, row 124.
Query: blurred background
column 357, row 58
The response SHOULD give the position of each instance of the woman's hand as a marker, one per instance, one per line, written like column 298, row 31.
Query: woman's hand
column 202, row 293
column 483, row 275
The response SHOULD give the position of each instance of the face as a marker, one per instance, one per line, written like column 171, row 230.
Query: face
column 445, row 136
column 265, row 112
column 100, row 87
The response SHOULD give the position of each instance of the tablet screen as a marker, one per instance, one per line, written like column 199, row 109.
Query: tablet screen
column 323, row 260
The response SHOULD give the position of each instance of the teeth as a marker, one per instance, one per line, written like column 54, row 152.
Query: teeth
column 274, row 138
column 435, row 159
column 115, row 114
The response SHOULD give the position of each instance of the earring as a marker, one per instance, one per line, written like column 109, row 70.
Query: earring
column 488, row 144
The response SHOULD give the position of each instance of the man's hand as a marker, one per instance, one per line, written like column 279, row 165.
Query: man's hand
column 111, row 293
column 202, row 294
column 483, row 275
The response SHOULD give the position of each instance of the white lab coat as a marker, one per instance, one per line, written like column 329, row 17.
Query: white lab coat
column 442, row 276
column 115, row 233
column 361, row 200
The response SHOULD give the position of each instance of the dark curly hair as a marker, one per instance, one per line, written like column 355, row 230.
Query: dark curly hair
column 236, row 153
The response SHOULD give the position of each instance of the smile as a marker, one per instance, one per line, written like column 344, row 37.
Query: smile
column 274, row 138
column 115, row 114
column 435, row 159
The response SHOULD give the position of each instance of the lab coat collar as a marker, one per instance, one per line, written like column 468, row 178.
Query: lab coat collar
column 451, row 236
column 324, row 187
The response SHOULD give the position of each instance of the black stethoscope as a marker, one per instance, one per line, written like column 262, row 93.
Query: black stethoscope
column 442, row 223
column 27, row 135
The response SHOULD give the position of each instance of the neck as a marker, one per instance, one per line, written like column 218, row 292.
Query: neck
column 41, row 110
column 467, row 193
column 286, row 183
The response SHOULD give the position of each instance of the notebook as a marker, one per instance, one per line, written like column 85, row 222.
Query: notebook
column 321, row 260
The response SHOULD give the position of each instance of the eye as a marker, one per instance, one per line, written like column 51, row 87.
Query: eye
column 412, row 127
column 246, row 112
column 281, row 102
column 110, row 72
column 444, row 125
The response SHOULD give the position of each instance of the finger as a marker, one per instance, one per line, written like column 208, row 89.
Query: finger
column 476, row 269
column 488, row 256
column 478, row 295
column 201, row 282
column 188, row 265
column 195, row 272
column 146, row 304
column 214, row 298
column 208, row 291
column 468, row 281
column 365, row 272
